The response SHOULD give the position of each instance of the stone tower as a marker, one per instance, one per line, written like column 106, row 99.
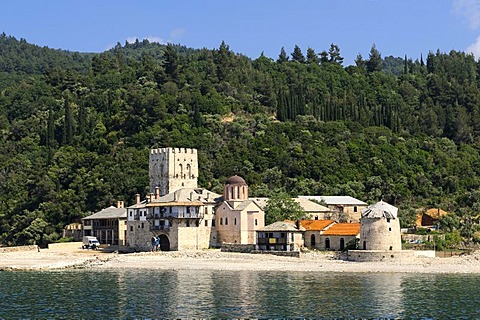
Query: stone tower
column 171, row 169
column 380, row 228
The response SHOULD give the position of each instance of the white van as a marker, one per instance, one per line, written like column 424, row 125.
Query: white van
column 90, row 243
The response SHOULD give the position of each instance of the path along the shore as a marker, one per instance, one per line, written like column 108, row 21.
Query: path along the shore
column 47, row 259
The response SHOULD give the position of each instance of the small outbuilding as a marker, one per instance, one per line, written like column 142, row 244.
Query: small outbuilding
column 280, row 236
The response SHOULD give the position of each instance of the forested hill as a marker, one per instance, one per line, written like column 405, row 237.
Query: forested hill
column 75, row 129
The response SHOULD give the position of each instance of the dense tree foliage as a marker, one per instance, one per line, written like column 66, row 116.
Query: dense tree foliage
column 75, row 128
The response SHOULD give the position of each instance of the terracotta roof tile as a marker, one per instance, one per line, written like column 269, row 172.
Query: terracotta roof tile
column 315, row 225
column 343, row 229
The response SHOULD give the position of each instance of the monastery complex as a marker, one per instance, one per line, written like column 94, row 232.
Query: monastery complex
column 178, row 215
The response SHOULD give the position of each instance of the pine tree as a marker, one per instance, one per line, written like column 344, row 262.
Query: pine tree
column 374, row 62
column 297, row 55
column 67, row 124
column 282, row 57
column 334, row 54
column 312, row 57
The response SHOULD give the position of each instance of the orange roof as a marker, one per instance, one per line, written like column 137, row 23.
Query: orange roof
column 436, row 213
column 343, row 229
column 315, row 225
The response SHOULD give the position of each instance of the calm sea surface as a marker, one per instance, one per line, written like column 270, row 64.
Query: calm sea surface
column 151, row 294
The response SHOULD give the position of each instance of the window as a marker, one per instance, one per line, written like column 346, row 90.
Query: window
column 327, row 243
column 131, row 228
column 142, row 225
column 221, row 221
column 206, row 223
column 312, row 240
column 213, row 223
column 364, row 245
column 235, row 221
column 316, row 217
column 256, row 222
column 355, row 209
column 389, row 229
column 391, row 248
column 188, row 223
column 388, row 220
column 226, row 221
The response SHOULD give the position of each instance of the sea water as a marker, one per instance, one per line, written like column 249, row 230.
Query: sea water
column 151, row 294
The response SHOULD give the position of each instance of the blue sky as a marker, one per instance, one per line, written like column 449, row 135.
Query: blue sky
column 397, row 27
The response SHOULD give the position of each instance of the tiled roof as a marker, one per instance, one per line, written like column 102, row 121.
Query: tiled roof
column 337, row 200
column 315, row 225
column 436, row 213
column 343, row 229
column 310, row 206
column 281, row 226
column 185, row 197
column 108, row 213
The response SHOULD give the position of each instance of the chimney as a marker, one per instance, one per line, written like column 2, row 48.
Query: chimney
column 157, row 192
column 119, row 204
column 137, row 198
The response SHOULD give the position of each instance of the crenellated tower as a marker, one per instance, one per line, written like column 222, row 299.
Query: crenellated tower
column 171, row 169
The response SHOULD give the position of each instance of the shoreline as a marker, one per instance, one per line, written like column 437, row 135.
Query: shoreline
column 47, row 259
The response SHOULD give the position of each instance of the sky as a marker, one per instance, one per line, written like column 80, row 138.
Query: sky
column 250, row 27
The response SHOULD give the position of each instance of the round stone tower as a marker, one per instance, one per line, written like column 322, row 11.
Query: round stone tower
column 235, row 189
column 380, row 228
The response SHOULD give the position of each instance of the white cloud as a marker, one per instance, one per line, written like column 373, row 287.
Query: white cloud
column 474, row 48
column 176, row 33
column 470, row 10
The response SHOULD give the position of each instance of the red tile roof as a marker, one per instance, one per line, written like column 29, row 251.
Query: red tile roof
column 315, row 225
column 343, row 229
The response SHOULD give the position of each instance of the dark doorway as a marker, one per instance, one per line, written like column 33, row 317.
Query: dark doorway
column 364, row 245
column 312, row 240
column 164, row 243
column 327, row 243
column 342, row 244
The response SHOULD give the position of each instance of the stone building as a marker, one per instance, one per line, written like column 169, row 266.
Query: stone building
column 380, row 228
column 108, row 225
column 339, row 236
column 237, row 216
column 280, row 236
column 313, row 231
column 342, row 208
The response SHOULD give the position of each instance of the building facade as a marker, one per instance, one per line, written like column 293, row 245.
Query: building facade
column 108, row 225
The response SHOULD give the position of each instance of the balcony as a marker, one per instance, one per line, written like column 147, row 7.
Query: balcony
column 159, row 227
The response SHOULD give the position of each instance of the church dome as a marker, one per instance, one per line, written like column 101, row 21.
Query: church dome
column 235, row 180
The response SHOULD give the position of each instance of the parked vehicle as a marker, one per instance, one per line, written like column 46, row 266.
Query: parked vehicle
column 90, row 243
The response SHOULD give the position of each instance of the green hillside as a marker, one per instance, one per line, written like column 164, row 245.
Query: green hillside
column 75, row 129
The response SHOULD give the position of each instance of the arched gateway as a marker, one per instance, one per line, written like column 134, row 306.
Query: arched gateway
column 164, row 243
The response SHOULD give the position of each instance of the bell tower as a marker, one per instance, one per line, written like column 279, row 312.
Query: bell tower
column 171, row 169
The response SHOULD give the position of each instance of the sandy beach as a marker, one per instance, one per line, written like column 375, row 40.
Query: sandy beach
column 47, row 259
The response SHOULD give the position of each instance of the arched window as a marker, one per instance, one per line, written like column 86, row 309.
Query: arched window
column 226, row 221
column 189, row 171
column 180, row 166
column 312, row 240
column 342, row 244
column 221, row 221
column 235, row 221
column 327, row 243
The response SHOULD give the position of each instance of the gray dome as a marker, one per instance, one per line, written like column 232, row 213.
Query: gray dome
column 235, row 180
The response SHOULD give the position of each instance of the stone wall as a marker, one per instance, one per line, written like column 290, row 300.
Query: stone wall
column 65, row 245
column 19, row 248
column 380, row 255
column 237, row 247
column 295, row 254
